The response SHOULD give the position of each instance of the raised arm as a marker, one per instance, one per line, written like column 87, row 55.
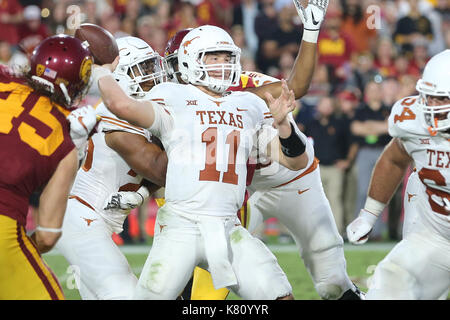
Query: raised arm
column 136, row 112
column 287, row 148
column 303, row 69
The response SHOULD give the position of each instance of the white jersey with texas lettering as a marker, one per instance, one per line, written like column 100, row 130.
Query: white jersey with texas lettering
column 104, row 171
column 431, row 155
column 208, row 141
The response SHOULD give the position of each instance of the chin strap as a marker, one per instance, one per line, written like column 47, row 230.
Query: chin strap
column 66, row 93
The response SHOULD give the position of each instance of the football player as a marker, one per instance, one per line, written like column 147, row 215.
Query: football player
column 38, row 154
column 418, row 267
column 278, row 191
column 119, row 156
column 208, row 136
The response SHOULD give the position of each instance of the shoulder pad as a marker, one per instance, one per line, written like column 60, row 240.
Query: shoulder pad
column 110, row 122
column 405, row 118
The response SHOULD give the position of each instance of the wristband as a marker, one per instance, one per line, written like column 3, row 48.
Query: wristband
column 310, row 35
column 53, row 230
column 99, row 72
column 373, row 206
column 143, row 192
column 292, row 146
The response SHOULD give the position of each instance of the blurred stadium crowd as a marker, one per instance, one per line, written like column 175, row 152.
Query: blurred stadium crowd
column 370, row 54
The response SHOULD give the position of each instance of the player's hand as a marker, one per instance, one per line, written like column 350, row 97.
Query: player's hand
column 82, row 123
column 358, row 230
column 280, row 107
column 125, row 201
column 313, row 15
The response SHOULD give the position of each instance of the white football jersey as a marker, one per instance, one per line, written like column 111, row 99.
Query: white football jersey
column 431, row 155
column 104, row 171
column 270, row 174
column 208, row 141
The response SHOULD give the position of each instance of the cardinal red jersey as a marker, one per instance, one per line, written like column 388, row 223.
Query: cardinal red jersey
column 34, row 138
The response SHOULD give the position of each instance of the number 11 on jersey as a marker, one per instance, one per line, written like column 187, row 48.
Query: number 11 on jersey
column 210, row 173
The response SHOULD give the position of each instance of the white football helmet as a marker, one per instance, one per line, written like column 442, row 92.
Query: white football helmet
column 140, row 67
column 195, row 45
column 435, row 83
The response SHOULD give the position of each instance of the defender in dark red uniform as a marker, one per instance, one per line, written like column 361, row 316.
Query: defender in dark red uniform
column 37, row 154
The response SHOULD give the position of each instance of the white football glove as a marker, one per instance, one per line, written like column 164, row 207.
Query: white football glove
column 125, row 201
column 82, row 122
column 358, row 230
column 312, row 17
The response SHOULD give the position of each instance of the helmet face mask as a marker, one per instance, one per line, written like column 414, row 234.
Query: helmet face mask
column 216, row 76
column 436, row 113
column 140, row 68
column 197, row 69
column 434, row 94
column 172, row 67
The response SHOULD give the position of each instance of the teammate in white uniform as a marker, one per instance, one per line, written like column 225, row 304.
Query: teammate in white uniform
column 118, row 158
column 208, row 137
column 418, row 267
column 298, row 201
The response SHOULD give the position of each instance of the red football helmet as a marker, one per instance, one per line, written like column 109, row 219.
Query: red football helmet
column 170, row 54
column 63, row 65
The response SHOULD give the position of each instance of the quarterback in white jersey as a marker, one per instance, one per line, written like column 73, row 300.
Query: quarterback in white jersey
column 118, row 157
column 278, row 190
column 208, row 137
column 419, row 266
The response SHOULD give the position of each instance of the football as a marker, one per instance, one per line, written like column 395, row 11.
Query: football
column 101, row 42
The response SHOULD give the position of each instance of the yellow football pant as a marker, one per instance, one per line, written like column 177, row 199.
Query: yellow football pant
column 203, row 288
column 23, row 273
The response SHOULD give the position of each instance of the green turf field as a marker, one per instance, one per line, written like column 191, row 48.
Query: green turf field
column 361, row 261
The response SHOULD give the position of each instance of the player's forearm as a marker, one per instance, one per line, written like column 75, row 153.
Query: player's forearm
column 151, row 187
column 114, row 98
column 303, row 69
column 139, row 113
column 288, row 148
column 52, row 203
column 386, row 178
column 388, row 173
column 151, row 164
